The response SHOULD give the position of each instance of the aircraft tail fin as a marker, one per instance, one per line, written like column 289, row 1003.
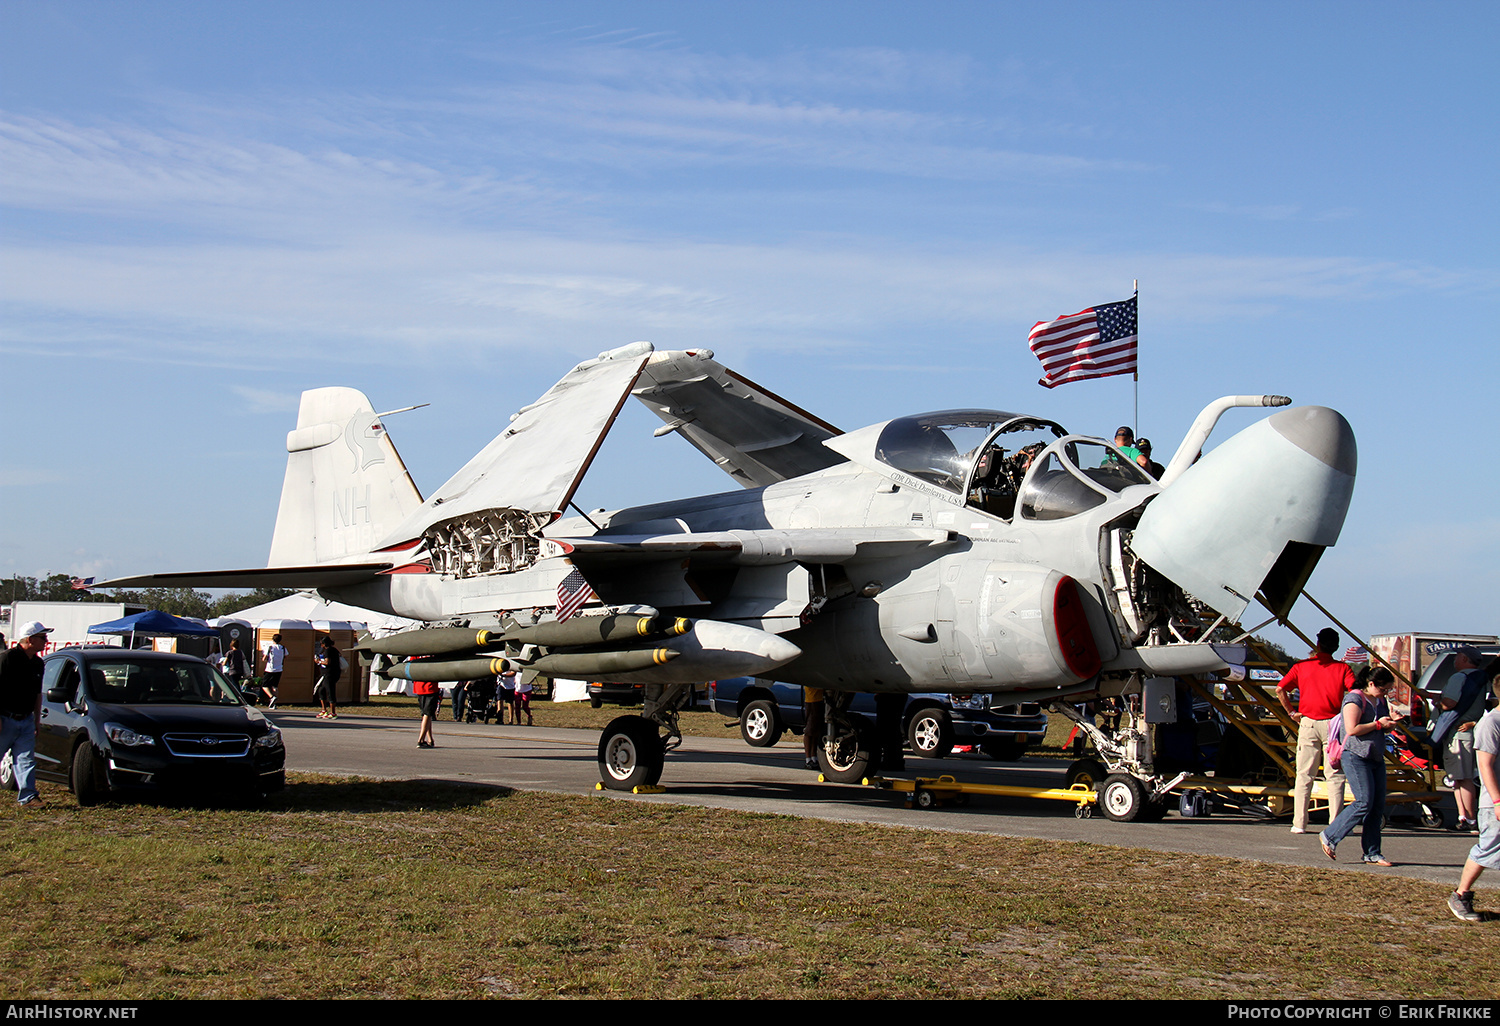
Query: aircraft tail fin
column 346, row 487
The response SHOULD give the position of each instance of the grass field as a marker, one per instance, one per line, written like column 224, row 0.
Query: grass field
column 348, row 888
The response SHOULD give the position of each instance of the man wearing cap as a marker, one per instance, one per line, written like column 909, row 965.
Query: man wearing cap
column 1321, row 683
column 1458, row 752
column 21, row 706
column 1125, row 442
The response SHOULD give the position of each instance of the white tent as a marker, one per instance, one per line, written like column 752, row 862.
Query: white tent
column 307, row 605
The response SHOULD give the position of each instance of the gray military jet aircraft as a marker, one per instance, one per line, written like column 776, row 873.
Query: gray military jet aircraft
column 967, row 551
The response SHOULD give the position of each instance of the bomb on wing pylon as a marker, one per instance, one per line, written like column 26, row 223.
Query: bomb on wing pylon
column 564, row 664
column 597, row 630
column 580, row 630
column 449, row 669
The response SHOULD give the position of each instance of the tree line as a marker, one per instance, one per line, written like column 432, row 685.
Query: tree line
column 177, row 601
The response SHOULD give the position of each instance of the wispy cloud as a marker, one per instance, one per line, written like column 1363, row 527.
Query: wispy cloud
column 377, row 226
column 260, row 400
column 1273, row 211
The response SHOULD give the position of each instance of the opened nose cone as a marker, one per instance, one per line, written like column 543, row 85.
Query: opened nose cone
column 1255, row 513
column 1321, row 433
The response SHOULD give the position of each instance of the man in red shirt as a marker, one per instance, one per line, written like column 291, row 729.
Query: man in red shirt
column 1321, row 683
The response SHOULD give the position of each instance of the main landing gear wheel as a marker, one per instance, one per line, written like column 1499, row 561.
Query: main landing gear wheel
column 847, row 760
column 1123, row 798
column 630, row 753
column 931, row 734
column 760, row 726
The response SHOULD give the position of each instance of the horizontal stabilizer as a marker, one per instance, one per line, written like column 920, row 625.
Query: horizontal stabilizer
column 755, row 436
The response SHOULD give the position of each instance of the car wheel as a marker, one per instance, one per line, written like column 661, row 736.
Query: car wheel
column 1005, row 751
column 848, row 759
column 273, row 783
column 1122, row 798
column 760, row 726
column 596, row 702
column 931, row 734
column 87, row 776
column 630, row 754
column 8, row 774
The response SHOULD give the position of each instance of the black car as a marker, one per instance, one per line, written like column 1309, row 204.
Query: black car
column 932, row 723
column 117, row 720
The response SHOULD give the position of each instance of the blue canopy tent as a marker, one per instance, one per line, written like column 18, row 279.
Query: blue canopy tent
column 153, row 624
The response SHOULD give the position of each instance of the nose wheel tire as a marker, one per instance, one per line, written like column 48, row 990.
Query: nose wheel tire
column 631, row 754
column 1123, row 798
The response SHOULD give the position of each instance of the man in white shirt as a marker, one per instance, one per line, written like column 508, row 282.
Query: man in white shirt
column 1486, row 853
column 274, row 657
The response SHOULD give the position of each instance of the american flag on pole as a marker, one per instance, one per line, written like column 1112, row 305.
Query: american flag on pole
column 572, row 592
column 81, row 583
column 1093, row 343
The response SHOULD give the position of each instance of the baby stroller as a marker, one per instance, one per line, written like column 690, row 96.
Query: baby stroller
column 480, row 701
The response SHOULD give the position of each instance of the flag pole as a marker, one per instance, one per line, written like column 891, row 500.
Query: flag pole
column 1135, row 284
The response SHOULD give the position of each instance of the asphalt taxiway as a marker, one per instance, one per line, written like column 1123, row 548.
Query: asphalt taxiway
column 729, row 774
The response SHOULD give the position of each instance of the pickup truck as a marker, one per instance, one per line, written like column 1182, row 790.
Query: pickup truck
column 932, row 723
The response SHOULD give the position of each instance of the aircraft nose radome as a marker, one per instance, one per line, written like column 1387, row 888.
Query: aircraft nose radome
column 1229, row 523
column 1321, row 433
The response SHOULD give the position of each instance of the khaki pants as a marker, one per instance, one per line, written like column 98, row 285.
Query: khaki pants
column 1312, row 741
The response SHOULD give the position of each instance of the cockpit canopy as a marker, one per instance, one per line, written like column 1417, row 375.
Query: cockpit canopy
column 997, row 461
column 941, row 447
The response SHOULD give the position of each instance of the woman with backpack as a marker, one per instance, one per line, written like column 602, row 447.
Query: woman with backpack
column 1366, row 718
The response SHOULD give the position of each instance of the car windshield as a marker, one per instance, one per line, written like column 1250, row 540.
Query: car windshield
column 127, row 682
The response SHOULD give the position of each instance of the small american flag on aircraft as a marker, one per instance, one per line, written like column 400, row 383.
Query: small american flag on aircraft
column 572, row 593
column 1093, row 343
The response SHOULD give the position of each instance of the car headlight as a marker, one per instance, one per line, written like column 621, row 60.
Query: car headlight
column 270, row 739
column 969, row 701
column 122, row 735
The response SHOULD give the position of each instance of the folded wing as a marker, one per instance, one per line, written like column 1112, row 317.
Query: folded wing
column 757, row 437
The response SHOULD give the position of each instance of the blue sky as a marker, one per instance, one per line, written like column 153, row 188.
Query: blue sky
column 210, row 207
